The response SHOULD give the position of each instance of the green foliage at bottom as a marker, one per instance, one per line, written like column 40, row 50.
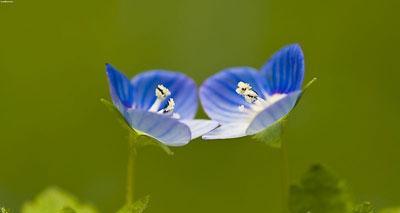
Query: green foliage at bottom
column 136, row 137
column 365, row 207
column 3, row 210
column 319, row 191
column 137, row 207
column 271, row 136
column 55, row 200
column 391, row 210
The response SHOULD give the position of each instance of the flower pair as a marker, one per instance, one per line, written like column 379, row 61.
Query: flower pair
column 240, row 101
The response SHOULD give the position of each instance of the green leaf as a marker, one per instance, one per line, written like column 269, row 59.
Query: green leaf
column 67, row 210
column 3, row 210
column 319, row 191
column 365, row 207
column 138, row 138
column 55, row 200
column 391, row 210
column 144, row 140
column 271, row 136
column 137, row 207
column 309, row 84
column 110, row 106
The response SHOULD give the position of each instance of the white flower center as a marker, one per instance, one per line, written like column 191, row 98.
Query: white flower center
column 170, row 107
column 250, row 96
column 162, row 93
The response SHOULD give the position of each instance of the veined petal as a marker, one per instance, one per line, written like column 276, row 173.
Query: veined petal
column 284, row 72
column 273, row 113
column 229, row 130
column 120, row 87
column 163, row 128
column 182, row 88
column 200, row 127
column 218, row 93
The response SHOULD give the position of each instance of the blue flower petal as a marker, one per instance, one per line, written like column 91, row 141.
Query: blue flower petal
column 120, row 87
column 273, row 113
column 163, row 128
column 218, row 93
column 284, row 72
column 182, row 88
column 229, row 130
column 200, row 127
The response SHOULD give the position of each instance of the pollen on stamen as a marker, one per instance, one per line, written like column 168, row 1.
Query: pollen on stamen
column 245, row 90
column 162, row 92
column 242, row 87
column 250, row 96
column 171, row 105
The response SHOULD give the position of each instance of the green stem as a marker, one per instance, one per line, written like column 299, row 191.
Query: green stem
column 285, row 177
column 130, row 169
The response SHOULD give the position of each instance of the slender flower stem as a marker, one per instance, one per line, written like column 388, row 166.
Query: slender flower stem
column 285, row 177
column 130, row 170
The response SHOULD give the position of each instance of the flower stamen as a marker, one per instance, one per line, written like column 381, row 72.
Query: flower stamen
column 170, row 107
column 242, row 88
column 161, row 93
column 245, row 90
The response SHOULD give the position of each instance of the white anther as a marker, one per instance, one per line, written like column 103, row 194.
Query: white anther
column 170, row 107
column 250, row 96
column 162, row 92
column 245, row 90
column 242, row 87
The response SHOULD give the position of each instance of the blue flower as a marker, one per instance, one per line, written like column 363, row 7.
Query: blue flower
column 160, row 104
column 246, row 101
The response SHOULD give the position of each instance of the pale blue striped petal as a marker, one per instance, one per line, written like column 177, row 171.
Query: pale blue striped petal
column 200, row 127
column 229, row 130
column 273, row 113
column 284, row 72
column 120, row 87
column 182, row 88
column 218, row 93
column 163, row 128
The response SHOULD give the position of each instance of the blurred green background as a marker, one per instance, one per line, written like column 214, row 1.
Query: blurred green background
column 55, row 131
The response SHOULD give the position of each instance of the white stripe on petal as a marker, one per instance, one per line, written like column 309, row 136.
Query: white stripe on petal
column 273, row 113
column 200, row 127
column 232, row 130
column 163, row 128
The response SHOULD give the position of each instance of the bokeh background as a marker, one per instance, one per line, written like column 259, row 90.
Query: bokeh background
column 55, row 131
